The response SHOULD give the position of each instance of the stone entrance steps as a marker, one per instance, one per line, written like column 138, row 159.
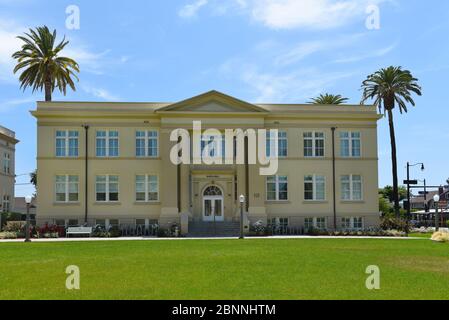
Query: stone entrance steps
column 209, row 229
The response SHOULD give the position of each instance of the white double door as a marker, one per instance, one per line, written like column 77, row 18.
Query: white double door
column 213, row 208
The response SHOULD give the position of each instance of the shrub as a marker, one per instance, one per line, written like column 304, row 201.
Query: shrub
column 258, row 229
column 8, row 235
column 393, row 223
column 14, row 226
column 440, row 237
column 50, row 231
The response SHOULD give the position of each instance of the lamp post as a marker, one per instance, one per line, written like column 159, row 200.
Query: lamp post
column 242, row 202
column 28, row 200
column 408, row 185
column 436, row 199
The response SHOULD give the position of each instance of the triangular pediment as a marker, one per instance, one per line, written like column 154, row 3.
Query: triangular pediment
column 212, row 102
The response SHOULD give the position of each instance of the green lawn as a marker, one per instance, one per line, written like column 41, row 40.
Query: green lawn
column 226, row 269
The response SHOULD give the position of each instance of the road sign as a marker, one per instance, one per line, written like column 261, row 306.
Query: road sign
column 414, row 182
column 423, row 193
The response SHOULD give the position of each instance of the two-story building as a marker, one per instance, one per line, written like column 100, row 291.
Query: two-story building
column 111, row 164
column 8, row 143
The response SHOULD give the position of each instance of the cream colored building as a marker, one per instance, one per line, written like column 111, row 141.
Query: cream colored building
column 8, row 143
column 109, row 163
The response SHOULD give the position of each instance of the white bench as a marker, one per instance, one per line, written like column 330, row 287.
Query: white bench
column 79, row 231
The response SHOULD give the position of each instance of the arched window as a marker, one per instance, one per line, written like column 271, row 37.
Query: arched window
column 213, row 191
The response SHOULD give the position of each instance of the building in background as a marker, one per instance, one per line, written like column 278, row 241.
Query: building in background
column 8, row 143
column 109, row 164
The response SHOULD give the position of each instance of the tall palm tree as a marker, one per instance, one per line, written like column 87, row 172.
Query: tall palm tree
column 390, row 87
column 43, row 67
column 329, row 99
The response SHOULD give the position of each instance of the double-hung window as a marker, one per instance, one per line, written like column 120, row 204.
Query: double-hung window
column 6, row 203
column 107, row 143
column 147, row 188
column 313, row 144
column 351, row 188
column 352, row 223
column 277, row 188
column 282, row 144
column 350, row 144
column 67, row 143
column 213, row 147
column 67, row 187
column 6, row 163
column 107, row 188
column 147, row 143
column 315, row 223
column 314, row 188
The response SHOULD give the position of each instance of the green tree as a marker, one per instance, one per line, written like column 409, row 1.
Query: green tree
column 329, row 99
column 43, row 68
column 385, row 206
column 391, row 87
column 388, row 193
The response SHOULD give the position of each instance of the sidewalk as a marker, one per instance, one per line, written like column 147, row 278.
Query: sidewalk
column 185, row 239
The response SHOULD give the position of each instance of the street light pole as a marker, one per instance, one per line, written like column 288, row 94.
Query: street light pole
column 242, row 202
column 28, row 200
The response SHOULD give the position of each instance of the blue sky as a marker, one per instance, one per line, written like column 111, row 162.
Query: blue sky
column 261, row 51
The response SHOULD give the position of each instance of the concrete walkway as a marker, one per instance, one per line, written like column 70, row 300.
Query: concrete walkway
column 186, row 239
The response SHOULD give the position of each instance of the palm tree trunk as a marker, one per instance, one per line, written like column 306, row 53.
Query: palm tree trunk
column 47, row 91
column 394, row 162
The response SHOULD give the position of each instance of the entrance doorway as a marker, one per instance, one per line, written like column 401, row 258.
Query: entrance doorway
column 213, row 204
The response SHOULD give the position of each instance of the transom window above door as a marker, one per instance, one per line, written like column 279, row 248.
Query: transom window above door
column 213, row 191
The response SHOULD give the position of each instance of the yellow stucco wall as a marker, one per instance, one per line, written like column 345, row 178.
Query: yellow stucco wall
column 219, row 113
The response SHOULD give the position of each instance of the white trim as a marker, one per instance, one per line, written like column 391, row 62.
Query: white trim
column 314, row 140
column 147, row 176
column 66, row 139
column 107, row 182
column 107, row 138
column 67, row 188
column 350, row 146
column 276, row 182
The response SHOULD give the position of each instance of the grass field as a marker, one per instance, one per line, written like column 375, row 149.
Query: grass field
column 226, row 269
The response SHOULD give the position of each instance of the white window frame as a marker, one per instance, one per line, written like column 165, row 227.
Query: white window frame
column 107, row 138
column 314, row 140
column 350, row 140
column 351, row 187
column 67, row 139
column 352, row 221
column 315, row 222
column 107, row 189
column 6, row 203
column 282, row 135
column 283, row 222
column 147, row 139
column 277, row 182
column 7, row 163
column 147, row 189
column 314, row 184
column 67, row 184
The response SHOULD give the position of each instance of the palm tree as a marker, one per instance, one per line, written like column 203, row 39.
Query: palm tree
column 390, row 87
column 43, row 67
column 329, row 99
column 33, row 178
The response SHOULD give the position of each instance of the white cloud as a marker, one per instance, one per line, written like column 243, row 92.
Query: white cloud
column 9, row 105
column 375, row 54
column 190, row 10
column 305, row 49
column 9, row 31
column 100, row 93
column 289, row 14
